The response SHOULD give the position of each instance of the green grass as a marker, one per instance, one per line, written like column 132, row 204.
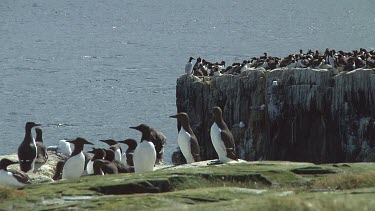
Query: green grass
column 243, row 186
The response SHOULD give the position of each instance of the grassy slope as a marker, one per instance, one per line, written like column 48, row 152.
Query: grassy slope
column 256, row 185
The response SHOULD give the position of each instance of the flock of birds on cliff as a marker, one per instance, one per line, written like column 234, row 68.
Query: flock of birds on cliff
column 340, row 60
column 139, row 157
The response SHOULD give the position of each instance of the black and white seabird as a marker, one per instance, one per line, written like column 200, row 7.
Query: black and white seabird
column 27, row 151
column 102, row 167
column 127, row 156
column 63, row 147
column 156, row 137
column 75, row 164
column 189, row 67
column 41, row 156
column 110, row 156
column 186, row 139
column 98, row 154
column 12, row 177
column 144, row 156
column 115, row 146
column 221, row 137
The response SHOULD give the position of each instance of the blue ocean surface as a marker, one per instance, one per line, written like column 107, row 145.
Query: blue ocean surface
column 94, row 68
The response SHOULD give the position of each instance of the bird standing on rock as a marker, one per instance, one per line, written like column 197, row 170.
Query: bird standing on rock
column 27, row 151
column 98, row 154
column 189, row 67
column 115, row 146
column 222, row 138
column 110, row 156
column 144, row 156
column 42, row 155
column 75, row 164
column 127, row 156
column 186, row 139
column 156, row 137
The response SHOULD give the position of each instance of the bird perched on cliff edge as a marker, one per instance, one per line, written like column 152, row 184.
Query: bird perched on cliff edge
column 189, row 67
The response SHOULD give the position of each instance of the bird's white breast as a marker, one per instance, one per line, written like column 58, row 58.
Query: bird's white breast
column 124, row 160
column 185, row 145
column 90, row 167
column 118, row 155
column 74, row 166
column 218, row 143
column 144, row 157
column 188, row 68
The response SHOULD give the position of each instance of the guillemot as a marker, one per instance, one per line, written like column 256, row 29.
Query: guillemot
column 42, row 155
column 156, row 137
column 75, row 164
column 98, row 154
column 110, row 156
column 12, row 177
column 102, row 167
column 115, row 146
column 221, row 137
column 27, row 151
column 189, row 67
column 186, row 139
column 144, row 156
column 63, row 147
column 127, row 156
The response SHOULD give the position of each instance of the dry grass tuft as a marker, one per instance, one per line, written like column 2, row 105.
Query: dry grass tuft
column 345, row 181
column 8, row 192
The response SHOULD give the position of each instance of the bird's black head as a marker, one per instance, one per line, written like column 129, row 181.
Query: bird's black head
column 5, row 162
column 217, row 113
column 80, row 141
column 181, row 116
column 110, row 142
column 30, row 125
column 132, row 143
column 142, row 128
column 109, row 154
column 98, row 152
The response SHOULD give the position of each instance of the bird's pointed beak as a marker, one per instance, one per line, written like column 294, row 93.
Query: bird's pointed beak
column 87, row 142
column 174, row 116
column 133, row 128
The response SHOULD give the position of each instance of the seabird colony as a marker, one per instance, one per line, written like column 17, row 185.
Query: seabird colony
column 330, row 58
column 140, row 157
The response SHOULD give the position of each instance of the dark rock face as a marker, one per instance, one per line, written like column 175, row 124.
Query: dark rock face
column 297, row 115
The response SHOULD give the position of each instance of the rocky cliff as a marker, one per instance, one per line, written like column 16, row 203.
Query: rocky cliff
column 289, row 114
